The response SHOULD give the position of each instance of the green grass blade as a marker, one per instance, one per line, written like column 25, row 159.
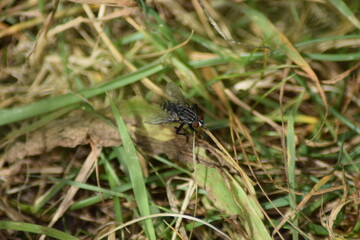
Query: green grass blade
column 291, row 159
column 90, row 187
column 34, row 228
column 338, row 57
column 54, row 103
column 38, row 124
column 134, row 170
column 114, row 181
column 345, row 11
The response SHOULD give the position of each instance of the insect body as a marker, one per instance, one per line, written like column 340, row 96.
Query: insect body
column 177, row 109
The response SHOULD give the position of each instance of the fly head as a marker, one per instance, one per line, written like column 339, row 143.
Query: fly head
column 198, row 122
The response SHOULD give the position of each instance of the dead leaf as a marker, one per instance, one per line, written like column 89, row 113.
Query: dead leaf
column 77, row 128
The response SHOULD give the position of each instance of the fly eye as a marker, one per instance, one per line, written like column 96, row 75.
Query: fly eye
column 200, row 117
column 195, row 124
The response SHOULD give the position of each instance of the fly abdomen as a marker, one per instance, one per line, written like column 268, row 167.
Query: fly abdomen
column 187, row 115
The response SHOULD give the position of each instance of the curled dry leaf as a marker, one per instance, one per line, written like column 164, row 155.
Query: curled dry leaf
column 77, row 128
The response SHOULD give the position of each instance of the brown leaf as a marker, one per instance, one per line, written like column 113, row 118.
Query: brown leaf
column 77, row 128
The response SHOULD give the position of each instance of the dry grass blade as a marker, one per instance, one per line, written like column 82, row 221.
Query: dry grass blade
column 230, row 160
column 161, row 215
column 113, row 3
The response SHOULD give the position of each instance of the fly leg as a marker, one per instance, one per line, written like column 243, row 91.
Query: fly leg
column 178, row 129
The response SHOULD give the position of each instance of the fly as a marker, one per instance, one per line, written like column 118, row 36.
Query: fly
column 176, row 109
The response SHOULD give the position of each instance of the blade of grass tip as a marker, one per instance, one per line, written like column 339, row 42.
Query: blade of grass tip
column 34, row 228
column 279, row 39
column 134, row 170
column 53, row 103
column 341, row 6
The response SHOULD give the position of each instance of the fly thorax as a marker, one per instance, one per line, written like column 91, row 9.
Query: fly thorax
column 169, row 107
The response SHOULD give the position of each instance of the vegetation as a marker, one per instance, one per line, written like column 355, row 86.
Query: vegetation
column 277, row 83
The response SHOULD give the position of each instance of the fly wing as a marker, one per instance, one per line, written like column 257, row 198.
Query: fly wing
column 175, row 94
column 160, row 118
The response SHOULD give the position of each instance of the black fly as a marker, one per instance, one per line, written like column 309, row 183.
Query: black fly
column 177, row 109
